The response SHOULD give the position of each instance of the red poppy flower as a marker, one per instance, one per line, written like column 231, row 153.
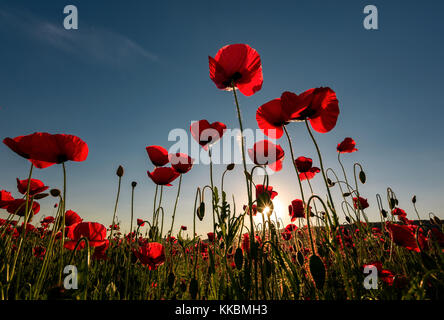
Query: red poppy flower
column 296, row 209
column 319, row 106
column 211, row 236
column 163, row 175
column 404, row 235
column 261, row 189
column 286, row 235
column 140, row 222
column 303, row 164
column 18, row 207
column 398, row 212
column 5, row 197
column 100, row 251
column 39, row 252
column 35, row 187
column 72, row 218
column 291, row 227
column 152, row 255
column 184, row 228
column 181, row 162
column 205, row 133
column 384, row 274
column 361, row 204
column 246, row 242
column 254, row 207
column 158, row 155
column 45, row 149
column 347, row 146
column 271, row 117
column 93, row 231
column 267, row 153
column 310, row 174
column 238, row 63
column 48, row 220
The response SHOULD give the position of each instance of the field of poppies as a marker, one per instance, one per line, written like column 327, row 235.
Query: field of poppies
column 62, row 256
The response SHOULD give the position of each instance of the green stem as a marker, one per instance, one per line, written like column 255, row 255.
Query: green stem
column 335, row 217
column 175, row 204
column 115, row 209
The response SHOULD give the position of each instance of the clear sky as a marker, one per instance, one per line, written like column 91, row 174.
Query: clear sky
column 134, row 70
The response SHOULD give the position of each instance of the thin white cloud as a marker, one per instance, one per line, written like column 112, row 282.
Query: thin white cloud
column 87, row 42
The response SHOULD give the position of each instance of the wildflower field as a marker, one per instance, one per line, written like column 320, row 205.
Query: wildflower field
column 60, row 255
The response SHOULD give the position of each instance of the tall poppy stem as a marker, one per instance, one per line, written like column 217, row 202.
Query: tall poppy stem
column 250, row 200
column 63, row 222
column 175, row 204
column 23, row 231
column 294, row 164
column 212, row 189
column 115, row 208
column 335, row 217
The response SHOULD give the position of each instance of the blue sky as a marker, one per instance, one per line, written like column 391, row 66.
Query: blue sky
column 135, row 70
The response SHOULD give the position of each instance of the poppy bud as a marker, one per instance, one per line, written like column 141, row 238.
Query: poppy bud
column 362, row 177
column 55, row 192
column 133, row 184
column 414, row 199
column 330, row 183
column 348, row 219
column 317, row 270
column 230, row 167
column 40, row 196
column 120, row 171
column 392, row 203
column 437, row 220
column 346, row 194
column 432, row 221
column 201, row 211
column 384, row 213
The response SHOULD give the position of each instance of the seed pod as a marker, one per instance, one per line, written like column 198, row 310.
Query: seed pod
column 230, row 167
column 55, row 192
column 120, row 171
column 133, row 184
